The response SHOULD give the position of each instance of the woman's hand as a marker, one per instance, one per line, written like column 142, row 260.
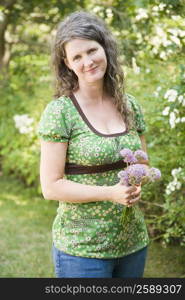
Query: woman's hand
column 126, row 195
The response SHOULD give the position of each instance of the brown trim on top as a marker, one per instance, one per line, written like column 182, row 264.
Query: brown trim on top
column 76, row 104
column 73, row 169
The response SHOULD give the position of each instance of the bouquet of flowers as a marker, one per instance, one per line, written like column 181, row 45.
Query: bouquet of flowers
column 136, row 172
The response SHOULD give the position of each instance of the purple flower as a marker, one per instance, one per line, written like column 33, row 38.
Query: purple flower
column 133, row 174
column 123, row 175
column 136, row 173
column 139, row 154
column 128, row 156
column 154, row 174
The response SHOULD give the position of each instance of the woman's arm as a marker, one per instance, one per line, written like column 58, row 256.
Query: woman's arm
column 55, row 187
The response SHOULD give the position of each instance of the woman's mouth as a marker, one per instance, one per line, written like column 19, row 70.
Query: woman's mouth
column 91, row 70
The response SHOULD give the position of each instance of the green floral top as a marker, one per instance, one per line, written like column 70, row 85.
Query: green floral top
column 93, row 229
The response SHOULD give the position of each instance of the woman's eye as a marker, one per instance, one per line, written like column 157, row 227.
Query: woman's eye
column 76, row 57
column 92, row 50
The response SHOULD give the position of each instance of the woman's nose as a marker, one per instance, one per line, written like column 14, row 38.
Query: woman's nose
column 87, row 62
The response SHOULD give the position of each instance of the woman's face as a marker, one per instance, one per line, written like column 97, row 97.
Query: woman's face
column 87, row 59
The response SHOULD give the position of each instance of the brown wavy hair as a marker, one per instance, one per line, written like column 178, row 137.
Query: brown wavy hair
column 82, row 24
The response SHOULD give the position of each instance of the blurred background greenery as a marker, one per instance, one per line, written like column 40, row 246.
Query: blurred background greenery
column 151, row 37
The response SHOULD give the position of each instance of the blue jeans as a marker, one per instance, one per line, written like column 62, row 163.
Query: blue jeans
column 69, row 266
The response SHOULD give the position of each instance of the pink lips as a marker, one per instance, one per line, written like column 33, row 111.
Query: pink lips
column 91, row 69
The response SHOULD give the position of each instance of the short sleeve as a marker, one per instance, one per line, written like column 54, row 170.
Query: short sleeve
column 140, row 124
column 54, row 124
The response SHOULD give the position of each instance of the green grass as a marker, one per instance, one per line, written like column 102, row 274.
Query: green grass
column 25, row 223
column 25, row 251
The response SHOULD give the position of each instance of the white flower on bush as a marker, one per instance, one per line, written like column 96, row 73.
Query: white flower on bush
column 176, row 40
column 159, row 7
column 44, row 27
column 135, row 67
column 97, row 9
column 155, row 8
column 175, row 184
column 155, row 11
column 154, row 50
column 166, row 42
column 139, row 37
column 169, row 51
column 160, row 32
column 176, row 18
column 175, row 172
column 180, row 99
column 163, row 55
column 178, row 120
column 172, row 119
column 181, row 33
column 23, row 122
column 173, row 31
column 156, row 93
column 172, row 186
column 109, row 16
column 166, row 111
column 142, row 13
column 171, row 95
column 162, row 6
column 164, row 37
column 177, row 32
column 109, row 13
column 148, row 70
column 156, row 41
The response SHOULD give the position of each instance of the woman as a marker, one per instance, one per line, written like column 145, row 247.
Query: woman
column 82, row 132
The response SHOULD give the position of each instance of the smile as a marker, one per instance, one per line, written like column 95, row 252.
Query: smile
column 91, row 69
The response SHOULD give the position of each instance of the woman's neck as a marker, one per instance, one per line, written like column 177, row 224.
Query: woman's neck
column 91, row 94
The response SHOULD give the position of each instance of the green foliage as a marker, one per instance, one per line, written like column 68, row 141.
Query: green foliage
column 171, row 223
column 20, row 97
column 164, row 201
column 25, row 224
column 145, row 28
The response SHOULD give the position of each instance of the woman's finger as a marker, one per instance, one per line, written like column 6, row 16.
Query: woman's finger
column 131, row 189
column 134, row 200
column 133, row 195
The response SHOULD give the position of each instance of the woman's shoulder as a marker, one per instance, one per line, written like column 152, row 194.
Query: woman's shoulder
column 138, row 113
column 131, row 99
column 60, row 104
column 133, row 102
column 60, row 101
column 55, row 121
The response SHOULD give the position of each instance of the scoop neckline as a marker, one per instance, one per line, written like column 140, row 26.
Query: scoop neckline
column 83, row 116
